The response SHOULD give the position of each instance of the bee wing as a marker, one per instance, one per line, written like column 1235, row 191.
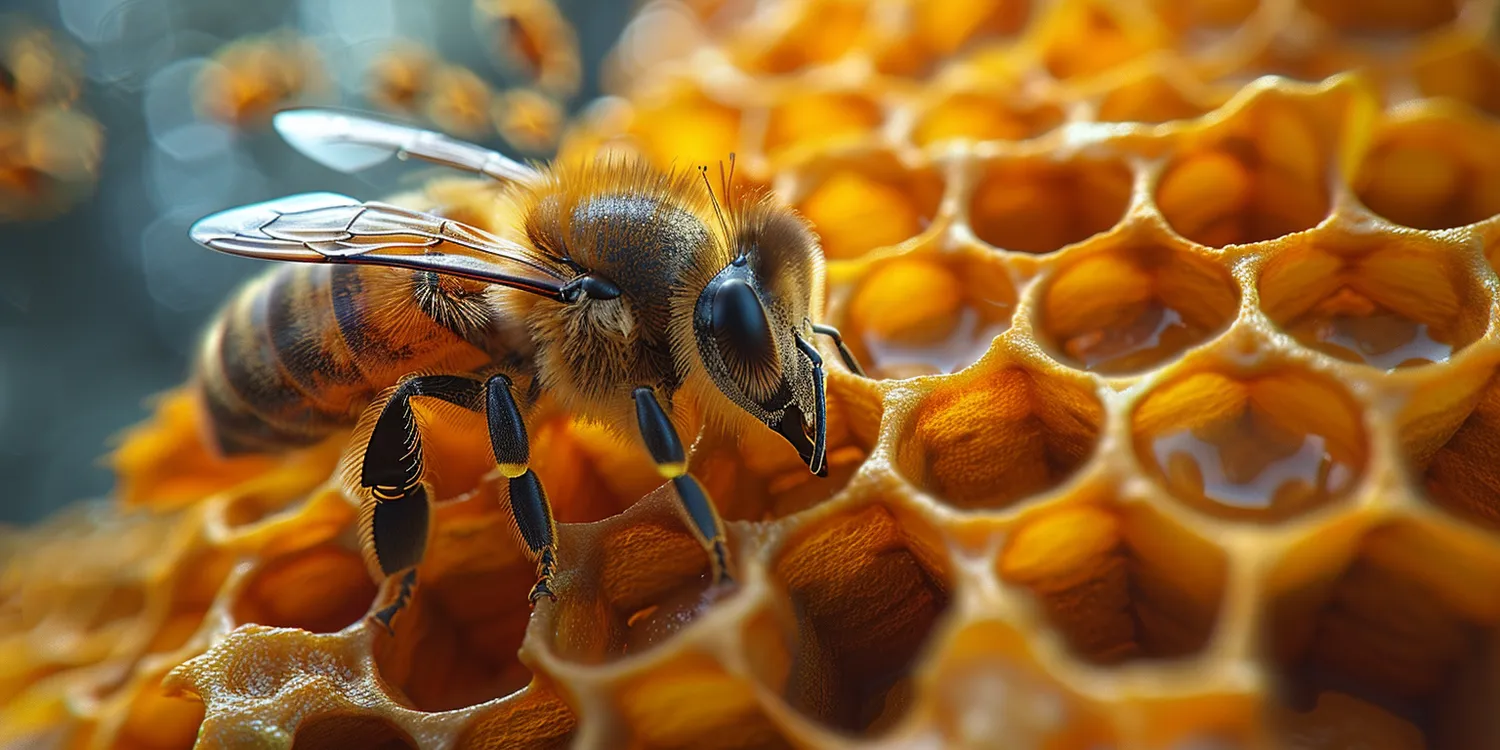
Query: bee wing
column 332, row 228
column 349, row 143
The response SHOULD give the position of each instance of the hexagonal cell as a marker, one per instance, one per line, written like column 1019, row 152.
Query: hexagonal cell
column 348, row 729
column 1133, row 304
column 685, row 125
column 1260, row 446
column 1448, row 431
column 805, row 120
column 983, row 116
column 589, row 473
column 926, row 314
column 755, row 475
column 535, row 717
column 455, row 641
column 987, row 439
column 631, row 585
column 1467, row 70
column 1084, row 38
column 1038, row 205
column 1389, row 624
column 1120, row 582
column 1153, row 98
column 1262, row 175
column 726, row 713
column 868, row 201
column 862, row 591
column 1432, row 170
column 1386, row 17
column 1386, row 301
column 989, row 686
column 323, row 589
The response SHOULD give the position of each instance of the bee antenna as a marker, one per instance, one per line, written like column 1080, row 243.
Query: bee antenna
column 718, row 211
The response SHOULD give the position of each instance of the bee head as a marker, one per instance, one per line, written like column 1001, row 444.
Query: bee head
column 751, row 328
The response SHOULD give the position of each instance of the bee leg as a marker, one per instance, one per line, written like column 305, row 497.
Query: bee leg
column 394, row 519
column 666, row 450
column 844, row 353
column 528, row 501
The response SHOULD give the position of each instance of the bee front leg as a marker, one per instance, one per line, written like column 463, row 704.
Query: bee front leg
column 528, row 501
column 838, row 341
column 393, row 519
column 666, row 450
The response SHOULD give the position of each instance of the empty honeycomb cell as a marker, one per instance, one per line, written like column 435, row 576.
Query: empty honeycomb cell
column 453, row 648
column 322, row 590
column 988, row 686
column 1083, row 38
column 926, row 314
column 863, row 591
column 589, row 473
column 685, row 125
column 988, row 439
column 1132, row 304
column 1259, row 446
column 1432, row 172
column 532, row 718
column 637, row 584
column 980, row 116
column 1038, row 205
column 858, row 205
column 1384, row 16
column 820, row 119
column 1466, row 70
column 1386, row 302
column 1394, row 625
column 332, row 731
column 1116, row 582
column 1151, row 98
column 755, row 475
column 1449, row 432
column 1267, row 181
column 726, row 714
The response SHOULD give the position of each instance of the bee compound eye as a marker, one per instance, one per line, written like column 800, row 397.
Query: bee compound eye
column 740, row 327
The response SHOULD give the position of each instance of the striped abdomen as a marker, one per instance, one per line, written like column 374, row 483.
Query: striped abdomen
column 303, row 349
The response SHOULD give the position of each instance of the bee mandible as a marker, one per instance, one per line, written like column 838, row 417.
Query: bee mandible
column 618, row 288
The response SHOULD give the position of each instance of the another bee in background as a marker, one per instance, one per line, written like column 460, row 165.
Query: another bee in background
column 528, row 119
column 250, row 79
column 458, row 101
column 534, row 37
column 618, row 288
column 399, row 78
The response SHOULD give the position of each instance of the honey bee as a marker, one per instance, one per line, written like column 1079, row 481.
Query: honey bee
column 536, row 38
column 618, row 288
column 251, row 78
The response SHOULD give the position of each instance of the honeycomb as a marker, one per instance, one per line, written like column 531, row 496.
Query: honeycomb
column 1181, row 325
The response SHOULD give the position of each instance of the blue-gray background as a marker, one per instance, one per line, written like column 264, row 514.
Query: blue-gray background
column 100, row 308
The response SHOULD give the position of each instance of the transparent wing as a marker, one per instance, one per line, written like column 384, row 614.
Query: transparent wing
column 332, row 228
column 350, row 142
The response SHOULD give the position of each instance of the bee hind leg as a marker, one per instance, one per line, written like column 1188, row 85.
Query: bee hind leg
column 394, row 517
column 666, row 450
column 528, row 501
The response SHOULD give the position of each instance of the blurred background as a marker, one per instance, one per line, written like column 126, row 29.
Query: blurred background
column 102, row 296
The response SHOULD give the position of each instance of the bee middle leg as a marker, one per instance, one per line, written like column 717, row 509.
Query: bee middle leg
column 666, row 450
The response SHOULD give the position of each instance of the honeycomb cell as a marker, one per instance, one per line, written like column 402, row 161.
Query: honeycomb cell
column 858, row 205
column 639, row 584
column 808, row 34
column 1151, row 98
column 453, row 648
column 685, row 125
column 970, row 116
column 864, row 590
column 533, row 718
column 588, row 472
column 944, row 28
column 986, row 440
column 156, row 718
column 1084, row 38
column 1432, row 172
column 1119, row 582
column 340, row 730
column 1382, row 301
column 814, row 119
column 1260, row 446
column 1390, row 622
column 1384, row 16
column 1448, row 432
column 322, row 590
column 1466, row 70
column 1038, row 205
column 927, row 314
column 726, row 714
column 1133, row 304
column 1264, row 176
